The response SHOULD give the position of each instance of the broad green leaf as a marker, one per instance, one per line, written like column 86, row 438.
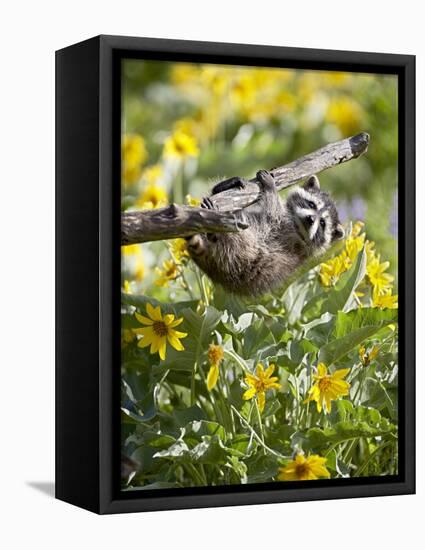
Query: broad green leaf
column 352, row 328
column 318, row 439
column 139, row 301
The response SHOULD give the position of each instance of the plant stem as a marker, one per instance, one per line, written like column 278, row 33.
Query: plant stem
column 256, row 436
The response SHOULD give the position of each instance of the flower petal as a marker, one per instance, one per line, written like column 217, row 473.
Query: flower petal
column 176, row 333
column 249, row 394
column 175, row 342
column 261, row 401
column 142, row 319
column 340, row 373
column 154, row 313
column 168, row 319
column 176, row 322
column 212, row 377
column 162, row 348
column 321, row 369
column 269, row 371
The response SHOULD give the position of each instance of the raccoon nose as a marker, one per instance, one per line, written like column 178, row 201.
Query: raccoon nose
column 309, row 220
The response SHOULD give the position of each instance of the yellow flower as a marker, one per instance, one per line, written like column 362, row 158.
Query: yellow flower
column 258, row 385
column 385, row 300
column 159, row 329
column 192, row 201
column 327, row 387
column 139, row 271
column 346, row 114
column 131, row 249
column 353, row 245
column 127, row 287
column 168, row 273
column 153, row 196
column 179, row 250
column 131, row 174
column 153, row 173
column 181, row 145
column 134, row 154
column 133, row 149
column 304, row 468
column 331, row 271
column 381, row 281
column 215, row 357
column 127, row 336
column 367, row 357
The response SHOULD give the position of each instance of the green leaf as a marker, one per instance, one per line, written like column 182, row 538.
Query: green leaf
column 318, row 438
column 256, row 336
column 200, row 330
column 352, row 328
column 341, row 296
column 198, row 428
column 178, row 449
column 140, row 301
column 211, row 450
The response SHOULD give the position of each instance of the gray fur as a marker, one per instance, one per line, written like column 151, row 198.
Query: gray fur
column 278, row 240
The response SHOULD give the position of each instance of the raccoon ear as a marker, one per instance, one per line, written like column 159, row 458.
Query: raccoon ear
column 312, row 183
column 338, row 232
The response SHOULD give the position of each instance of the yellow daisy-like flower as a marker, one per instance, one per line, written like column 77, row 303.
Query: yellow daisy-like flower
column 346, row 114
column 328, row 387
column 180, row 145
column 179, row 250
column 215, row 357
column 152, row 196
column 153, row 173
column 367, row 357
column 381, row 281
column 169, row 272
column 259, row 384
column 385, row 300
column 159, row 330
column 304, row 468
column 331, row 271
column 192, row 201
column 126, row 287
column 133, row 149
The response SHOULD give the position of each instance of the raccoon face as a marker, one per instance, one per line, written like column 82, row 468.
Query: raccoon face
column 314, row 216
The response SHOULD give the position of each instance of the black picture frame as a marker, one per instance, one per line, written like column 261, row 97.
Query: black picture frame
column 88, row 271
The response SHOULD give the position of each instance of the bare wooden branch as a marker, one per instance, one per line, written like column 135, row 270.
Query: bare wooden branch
column 289, row 174
column 176, row 221
column 183, row 221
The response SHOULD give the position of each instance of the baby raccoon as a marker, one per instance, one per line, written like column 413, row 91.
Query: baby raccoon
column 281, row 235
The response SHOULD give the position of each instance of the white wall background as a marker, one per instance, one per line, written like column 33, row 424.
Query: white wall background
column 30, row 31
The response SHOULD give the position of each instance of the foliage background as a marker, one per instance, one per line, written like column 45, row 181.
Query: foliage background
column 183, row 127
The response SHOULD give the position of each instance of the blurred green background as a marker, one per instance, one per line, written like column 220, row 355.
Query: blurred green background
column 186, row 126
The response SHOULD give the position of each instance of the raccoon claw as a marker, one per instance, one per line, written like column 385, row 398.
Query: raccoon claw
column 241, row 222
column 266, row 179
column 207, row 203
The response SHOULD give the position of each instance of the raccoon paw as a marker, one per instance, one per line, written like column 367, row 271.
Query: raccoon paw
column 231, row 183
column 196, row 245
column 266, row 180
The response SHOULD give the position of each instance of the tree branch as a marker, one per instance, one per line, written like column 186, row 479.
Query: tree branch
column 176, row 221
column 182, row 221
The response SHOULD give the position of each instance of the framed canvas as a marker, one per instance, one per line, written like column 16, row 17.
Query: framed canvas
column 235, row 274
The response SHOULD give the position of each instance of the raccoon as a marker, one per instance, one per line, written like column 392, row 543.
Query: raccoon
column 281, row 235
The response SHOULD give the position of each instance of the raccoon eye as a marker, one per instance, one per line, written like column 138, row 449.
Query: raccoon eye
column 322, row 223
column 311, row 205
